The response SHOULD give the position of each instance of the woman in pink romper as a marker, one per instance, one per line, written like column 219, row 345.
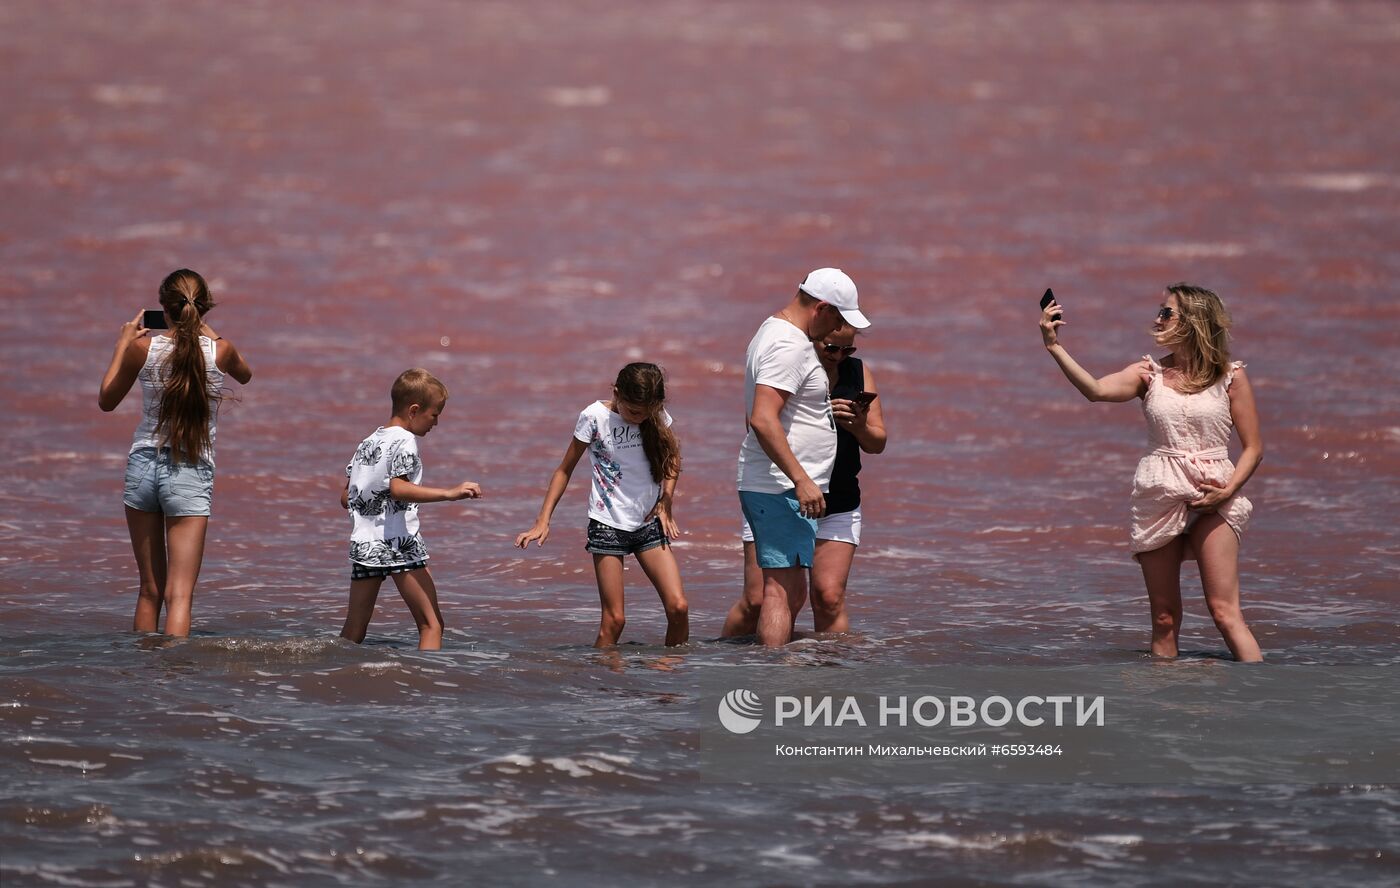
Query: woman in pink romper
column 1186, row 500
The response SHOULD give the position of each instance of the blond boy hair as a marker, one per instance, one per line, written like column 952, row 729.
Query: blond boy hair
column 416, row 386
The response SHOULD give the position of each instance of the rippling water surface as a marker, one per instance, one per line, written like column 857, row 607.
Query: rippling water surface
column 524, row 197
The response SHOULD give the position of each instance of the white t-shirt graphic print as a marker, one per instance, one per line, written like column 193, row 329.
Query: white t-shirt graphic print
column 384, row 530
column 782, row 357
column 623, row 491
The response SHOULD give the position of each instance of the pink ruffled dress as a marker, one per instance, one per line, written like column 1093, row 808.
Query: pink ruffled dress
column 1189, row 436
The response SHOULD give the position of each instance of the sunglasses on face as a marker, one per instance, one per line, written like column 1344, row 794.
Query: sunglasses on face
column 1165, row 314
column 844, row 351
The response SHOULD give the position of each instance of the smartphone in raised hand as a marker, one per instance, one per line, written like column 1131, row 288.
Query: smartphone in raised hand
column 1045, row 300
column 153, row 319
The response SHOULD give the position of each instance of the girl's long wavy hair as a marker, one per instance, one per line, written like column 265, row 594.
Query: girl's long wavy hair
column 1203, row 327
column 186, row 401
column 645, row 386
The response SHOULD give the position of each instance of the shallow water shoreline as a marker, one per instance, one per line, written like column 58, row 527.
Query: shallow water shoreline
column 522, row 199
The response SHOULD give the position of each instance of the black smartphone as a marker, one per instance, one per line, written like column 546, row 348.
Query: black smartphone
column 153, row 319
column 1045, row 300
column 864, row 398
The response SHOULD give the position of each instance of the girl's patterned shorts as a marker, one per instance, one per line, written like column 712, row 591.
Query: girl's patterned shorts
column 606, row 540
column 380, row 571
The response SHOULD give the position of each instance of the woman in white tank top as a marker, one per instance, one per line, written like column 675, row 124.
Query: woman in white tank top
column 170, row 466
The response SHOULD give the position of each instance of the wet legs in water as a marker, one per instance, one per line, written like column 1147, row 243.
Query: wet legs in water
column 831, row 569
column 1217, row 553
column 1161, row 570
column 659, row 564
column 607, row 569
column 742, row 618
column 784, row 593
column 418, row 591
column 169, row 553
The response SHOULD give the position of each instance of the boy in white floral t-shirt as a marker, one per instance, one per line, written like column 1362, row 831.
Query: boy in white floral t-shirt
column 382, row 494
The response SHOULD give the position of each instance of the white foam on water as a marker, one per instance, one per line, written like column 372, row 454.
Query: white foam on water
column 377, row 666
column 568, row 766
column 1116, row 839
column 81, row 765
column 221, row 716
column 1105, row 847
column 579, row 767
column 489, row 819
column 55, row 874
column 481, row 655
column 654, row 824
column 40, row 738
column 902, row 554
column 915, row 840
column 783, row 854
column 593, row 764
column 1345, row 182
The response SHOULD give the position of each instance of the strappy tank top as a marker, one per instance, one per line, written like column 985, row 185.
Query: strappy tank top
column 152, row 379
column 844, row 495
column 1195, row 426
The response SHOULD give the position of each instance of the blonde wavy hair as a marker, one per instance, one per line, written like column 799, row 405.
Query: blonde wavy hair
column 1203, row 327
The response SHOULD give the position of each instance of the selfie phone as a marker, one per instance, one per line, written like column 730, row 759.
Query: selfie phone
column 1045, row 300
column 153, row 319
column 864, row 398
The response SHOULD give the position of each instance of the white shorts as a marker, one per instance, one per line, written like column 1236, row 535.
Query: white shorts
column 843, row 527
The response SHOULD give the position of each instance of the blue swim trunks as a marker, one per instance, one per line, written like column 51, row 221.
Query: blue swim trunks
column 782, row 536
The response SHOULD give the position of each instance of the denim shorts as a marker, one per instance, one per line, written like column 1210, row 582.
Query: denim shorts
column 154, row 484
column 783, row 537
column 603, row 539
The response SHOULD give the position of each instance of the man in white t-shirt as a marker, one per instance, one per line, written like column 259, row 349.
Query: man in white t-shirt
column 785, row 461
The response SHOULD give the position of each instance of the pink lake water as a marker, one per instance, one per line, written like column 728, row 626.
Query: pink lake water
column 522, row 198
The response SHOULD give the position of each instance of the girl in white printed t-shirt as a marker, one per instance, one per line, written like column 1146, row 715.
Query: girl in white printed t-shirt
column 636, row 460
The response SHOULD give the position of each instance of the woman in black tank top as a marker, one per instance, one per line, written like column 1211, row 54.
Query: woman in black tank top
column 860, row 426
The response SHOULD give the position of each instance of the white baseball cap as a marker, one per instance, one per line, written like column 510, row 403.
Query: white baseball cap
column 834, row 287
